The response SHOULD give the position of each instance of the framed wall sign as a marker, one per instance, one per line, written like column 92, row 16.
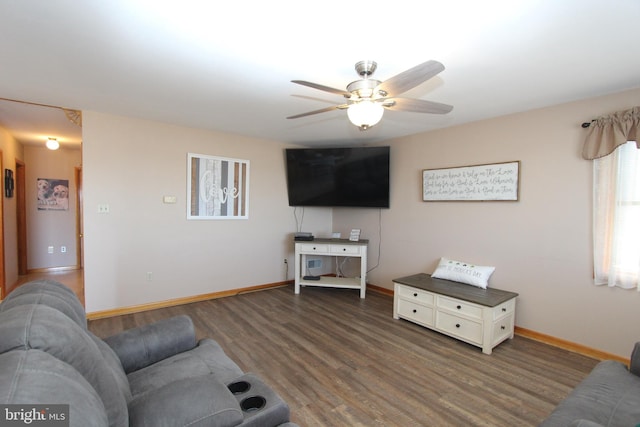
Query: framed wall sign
column 488, row 182
column 217, row 187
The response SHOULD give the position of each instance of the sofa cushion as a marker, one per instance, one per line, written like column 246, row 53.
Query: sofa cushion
column 609, row 396
column 584, row 423
column 50, row 293
column 35, row 377
column 38, row 326
column 195, row 402
column 207, row 358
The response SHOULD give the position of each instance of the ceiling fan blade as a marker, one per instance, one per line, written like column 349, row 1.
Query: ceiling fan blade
column 415, row 105
column 322, row 110
column 410, row 78
column 322, row 87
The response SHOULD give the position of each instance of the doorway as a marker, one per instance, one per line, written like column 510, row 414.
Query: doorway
column 28, row 252
column 31, row 217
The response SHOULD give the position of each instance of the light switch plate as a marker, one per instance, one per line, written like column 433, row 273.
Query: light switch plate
column 169, row 199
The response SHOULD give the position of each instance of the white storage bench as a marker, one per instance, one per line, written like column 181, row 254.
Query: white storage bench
column 482, row 317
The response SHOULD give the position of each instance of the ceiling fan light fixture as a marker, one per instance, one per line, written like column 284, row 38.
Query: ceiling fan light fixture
column 365, row 114
column 367, row 98
column 52, row 143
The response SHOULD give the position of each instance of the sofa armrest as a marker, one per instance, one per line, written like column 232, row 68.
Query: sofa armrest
column 634, row 363
column 145, row 345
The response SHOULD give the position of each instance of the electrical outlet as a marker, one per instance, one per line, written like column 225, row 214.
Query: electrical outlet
column 103, row 208
column 149, row 276
column 63, row 249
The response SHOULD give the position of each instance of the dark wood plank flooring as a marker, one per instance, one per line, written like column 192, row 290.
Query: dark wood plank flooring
column 341, row 361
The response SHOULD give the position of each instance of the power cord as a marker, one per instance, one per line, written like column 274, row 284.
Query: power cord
column 379, row 241
column 295, row 216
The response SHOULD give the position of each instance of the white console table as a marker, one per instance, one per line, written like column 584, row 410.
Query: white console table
column 335, row 248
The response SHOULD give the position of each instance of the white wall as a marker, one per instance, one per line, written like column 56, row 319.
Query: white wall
column 130, row 165
column 46, row 228
column 541, row 245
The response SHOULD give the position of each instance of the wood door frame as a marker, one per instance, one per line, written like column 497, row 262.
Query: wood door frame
column 21, row 212
column 79, row 218
column 3, row 280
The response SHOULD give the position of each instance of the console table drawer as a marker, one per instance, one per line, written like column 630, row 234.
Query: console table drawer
column 504, row 309
column 311, row 248
column 460, row 307
column 346, row 249
column 415, row 312
column 415, row 295
column 466, row 329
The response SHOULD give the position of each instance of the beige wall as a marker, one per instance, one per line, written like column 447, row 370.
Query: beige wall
column 50, row 228
column 11, row 150
column 540, row 246
column 130, row 165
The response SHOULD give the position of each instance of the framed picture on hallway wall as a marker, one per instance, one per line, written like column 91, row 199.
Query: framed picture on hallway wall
column 217, row 187
column 53, row 194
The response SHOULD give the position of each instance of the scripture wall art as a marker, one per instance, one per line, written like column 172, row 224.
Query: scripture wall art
column 489, row 182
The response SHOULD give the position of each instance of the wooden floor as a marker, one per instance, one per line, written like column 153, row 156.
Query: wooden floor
column 74, row 279
column 342, row 361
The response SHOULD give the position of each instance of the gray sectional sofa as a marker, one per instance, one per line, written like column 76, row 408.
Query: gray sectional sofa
column 608, row 397
column 155, row 375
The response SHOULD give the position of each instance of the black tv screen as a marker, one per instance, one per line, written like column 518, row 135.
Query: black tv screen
column 338, row 177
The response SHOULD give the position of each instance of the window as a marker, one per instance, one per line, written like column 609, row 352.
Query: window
column 617, row 217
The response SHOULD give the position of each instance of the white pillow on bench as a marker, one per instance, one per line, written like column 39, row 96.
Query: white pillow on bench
column 464, row 272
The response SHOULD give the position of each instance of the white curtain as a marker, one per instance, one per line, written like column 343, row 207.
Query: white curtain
column 617, row 217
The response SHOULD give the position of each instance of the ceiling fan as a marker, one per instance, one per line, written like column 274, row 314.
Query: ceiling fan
column 367, row 98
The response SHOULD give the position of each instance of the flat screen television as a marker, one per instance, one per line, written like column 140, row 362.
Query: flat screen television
column 338, row 177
